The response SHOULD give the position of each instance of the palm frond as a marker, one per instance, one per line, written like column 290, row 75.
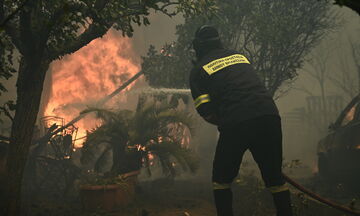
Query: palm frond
column 177, row 116
column 185, row 157
column 145, row 123
column 102, row 160
column 103, row 114
column 115, row 124
column 89, row 151
column 166, row 165
column 147, row 165
column 125, row 115
column 154, row 118
column 112, row 131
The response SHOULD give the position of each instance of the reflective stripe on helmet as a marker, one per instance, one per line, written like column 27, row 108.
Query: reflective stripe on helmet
column 201, row 99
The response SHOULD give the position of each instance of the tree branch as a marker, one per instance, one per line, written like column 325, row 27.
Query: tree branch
column 354, row 52
column 344, row 83
column 304, row 89
column 26, row 33
column 14, row 35
column 7, row 113
column 94, row 31
column 12, row 32
column 168, row 4
column 8, row 18
column 65, row 9
column 165, row 11
column 353, row 4
column 97, row 29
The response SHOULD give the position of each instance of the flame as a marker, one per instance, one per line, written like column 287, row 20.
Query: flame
column 86, row 76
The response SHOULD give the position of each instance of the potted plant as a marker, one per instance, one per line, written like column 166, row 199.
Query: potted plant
column 135, row 139
column 105, row 192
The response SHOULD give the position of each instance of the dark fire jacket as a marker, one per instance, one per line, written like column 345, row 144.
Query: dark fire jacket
column 226, row 89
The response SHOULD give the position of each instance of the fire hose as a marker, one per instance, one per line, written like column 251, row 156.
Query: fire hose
column 287, row 178
column 319, row 198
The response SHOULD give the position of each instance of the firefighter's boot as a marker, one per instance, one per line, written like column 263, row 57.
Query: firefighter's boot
column 282, row 203
column 223, row 202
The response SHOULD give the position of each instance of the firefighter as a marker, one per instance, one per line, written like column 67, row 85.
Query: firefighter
column 228, row 93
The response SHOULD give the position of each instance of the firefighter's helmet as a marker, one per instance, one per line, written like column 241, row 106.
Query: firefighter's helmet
column 206, row 37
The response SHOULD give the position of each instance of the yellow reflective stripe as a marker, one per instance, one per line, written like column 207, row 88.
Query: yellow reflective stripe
column 218, row 186
column 224, row 62
column 278, row 189
column 201, row 99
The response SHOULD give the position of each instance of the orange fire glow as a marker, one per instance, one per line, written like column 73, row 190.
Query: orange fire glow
column 83, row 78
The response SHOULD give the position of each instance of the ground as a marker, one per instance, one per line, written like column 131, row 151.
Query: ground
column 194, row 198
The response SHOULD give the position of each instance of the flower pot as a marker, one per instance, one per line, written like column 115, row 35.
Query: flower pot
column 125, row 195
column 109, row 197
column 131, row 177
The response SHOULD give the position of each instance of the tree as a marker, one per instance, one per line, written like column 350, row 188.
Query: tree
column 274, row 35
column 6, row 111
column 346, row 78
column 353, row 4
column 43, row 31
column 168, row 69
column 318, row 63
column 355, row 54
column 321, row 109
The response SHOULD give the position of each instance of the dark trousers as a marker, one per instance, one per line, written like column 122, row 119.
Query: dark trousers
column 263, row 137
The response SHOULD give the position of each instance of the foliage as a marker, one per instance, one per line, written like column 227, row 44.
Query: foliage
column 169, row 68
column 135, row 135
column 6, row 60
column 93, row 178
column 6, row 110
column 64, row 26
column 274, row 35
